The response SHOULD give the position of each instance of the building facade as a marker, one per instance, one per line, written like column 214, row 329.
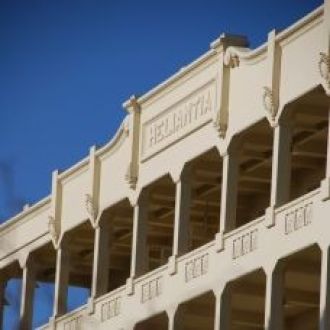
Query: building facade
column 208, row 209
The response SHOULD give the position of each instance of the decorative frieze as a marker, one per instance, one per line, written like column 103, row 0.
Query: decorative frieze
column 110, row 309
column 298, row 218
column 196, row 267
column 151, row 289
column 245, row 244
column 73, row 324
column 178, row 120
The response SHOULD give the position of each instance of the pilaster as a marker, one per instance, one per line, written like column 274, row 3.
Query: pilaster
column 281, row 168
column 325, row 290
column 61, row 279
column 100, row 276
column 139, row 256
column 325, row 184
column 175, row 319
column 222, row 320
column 274, row 309
column 181, row 236
column 230, row 172
column 27, row 294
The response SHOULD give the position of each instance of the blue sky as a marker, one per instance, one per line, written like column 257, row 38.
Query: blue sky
column 67, row 66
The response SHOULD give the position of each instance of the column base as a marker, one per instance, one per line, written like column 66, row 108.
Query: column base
column 130, row 286
column 270, row 217
column 219, row 242
column 172, row 265
column 325, row 189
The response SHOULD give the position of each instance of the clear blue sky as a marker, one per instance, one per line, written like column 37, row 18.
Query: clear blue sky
column 67, row 66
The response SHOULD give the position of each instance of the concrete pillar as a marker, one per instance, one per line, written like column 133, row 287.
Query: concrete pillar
column 281, row 164
column 274, row 302
column 61, row 280
column 140, row 256
column 222, row 320
column 230, row 172
column 27, row 294
column 181, row 237
column 100, row 276
column 325, row 291
column 3, row 283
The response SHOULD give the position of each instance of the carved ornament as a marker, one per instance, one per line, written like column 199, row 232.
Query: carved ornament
column 269, row 102
column 324, row 68
column 52, row 228
column 91, row 208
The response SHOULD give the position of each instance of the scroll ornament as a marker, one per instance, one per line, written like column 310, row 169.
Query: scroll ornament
column 269, row 103
column 91, row 208
column 324, row 68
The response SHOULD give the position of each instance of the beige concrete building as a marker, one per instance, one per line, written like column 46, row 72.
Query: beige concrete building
column 209, row 208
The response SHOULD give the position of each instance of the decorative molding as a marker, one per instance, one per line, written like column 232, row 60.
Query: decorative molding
column 324, row 68
column 298, row 218
column 196, row 267
column 110, row 309
column 269, row 102
column 130, row 177
column 151, row 289
column 91, row 208
column 53, row 229
column 245, row 244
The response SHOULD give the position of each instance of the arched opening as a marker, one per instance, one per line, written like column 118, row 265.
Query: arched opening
column 117, row 221
column 197, row 313
column 44, row 259
column 12, row 288
column 159, row 322
column 255, row 171
column 302, row 289
column 160, row 219
column 247, row 301
column 308, row 120
column 80, row 248
column 206, row 178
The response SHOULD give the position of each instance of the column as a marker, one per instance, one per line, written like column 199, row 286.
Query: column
column 281, row 164
column 274, row 309
column 325, row 291
column 175, row 319
column 61, row 279
column 3, row 283
column 100, row 277
column 222, row 320
column 27, row 295
column 140, row 256
column 230, row 172
column 181, row 237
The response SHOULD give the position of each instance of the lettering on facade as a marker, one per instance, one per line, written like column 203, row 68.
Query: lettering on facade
column 245, row 244
column 151, row 290
column 74, row 324
column 110, row 309
column 298, row 218
column 196, row 267
column 178, row 120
